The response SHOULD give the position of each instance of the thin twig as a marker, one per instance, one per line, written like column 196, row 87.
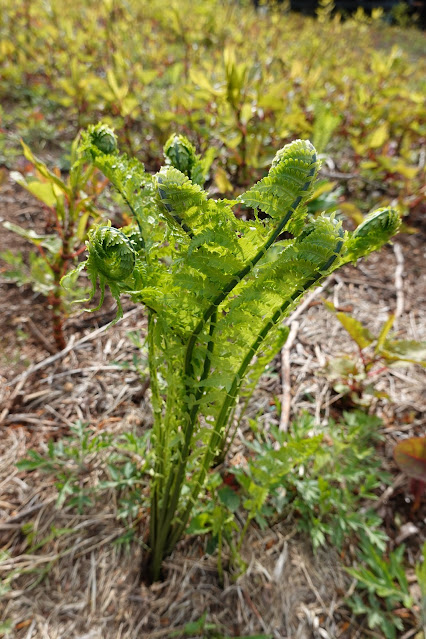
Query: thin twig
column 285, row 378
column 399, row 286
column 412, row 632
column 71, row 346
column 311, row 585
column 12, row 398
column 77, row 371
column 308, row 300
column 29, row 511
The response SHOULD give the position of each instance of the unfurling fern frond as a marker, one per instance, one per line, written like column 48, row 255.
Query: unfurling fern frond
column 288, row 183
column 111, row 260
column 182, row 200
column 377, row 229
column 180, row 153
column 103, row 138
column 111, row 253
column 127, row 175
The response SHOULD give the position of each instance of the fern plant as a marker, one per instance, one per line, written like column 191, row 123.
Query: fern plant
column 216, row 289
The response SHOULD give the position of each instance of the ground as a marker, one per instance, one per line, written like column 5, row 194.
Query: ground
column 82, row 585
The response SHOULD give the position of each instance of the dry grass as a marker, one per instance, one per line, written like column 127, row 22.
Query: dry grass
column 82, row 585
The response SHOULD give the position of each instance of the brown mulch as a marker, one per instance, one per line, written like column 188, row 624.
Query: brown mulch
column 82, row 585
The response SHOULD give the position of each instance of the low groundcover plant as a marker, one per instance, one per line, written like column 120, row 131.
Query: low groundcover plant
column 216, row 288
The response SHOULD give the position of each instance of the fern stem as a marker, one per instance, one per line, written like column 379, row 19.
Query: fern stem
column 125, row 198
column 192, row 417
column 174, row 484
column 159, row 440
column 219, row 556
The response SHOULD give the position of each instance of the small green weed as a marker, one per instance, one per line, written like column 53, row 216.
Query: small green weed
column 421, row 578
column 202, row 629
column 382, row 587
column 71, row 461
column 69, row 210
column 338, row 474
column 323, row 478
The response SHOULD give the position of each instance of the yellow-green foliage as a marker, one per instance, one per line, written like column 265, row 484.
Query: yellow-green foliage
column 241, row 81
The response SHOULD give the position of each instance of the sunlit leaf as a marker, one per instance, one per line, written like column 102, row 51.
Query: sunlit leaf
column 43, row 191
column 406, row 351
column 52, row 243
column 356, row 330
column 221, row 180
column 43, row 170
column 384, row 332
column 379, row 136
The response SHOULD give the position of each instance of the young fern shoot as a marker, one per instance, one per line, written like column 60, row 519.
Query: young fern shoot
column 217, row 289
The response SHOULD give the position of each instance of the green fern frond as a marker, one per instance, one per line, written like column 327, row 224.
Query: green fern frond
column 288, row 183
column 375, row 231
column 180, row 197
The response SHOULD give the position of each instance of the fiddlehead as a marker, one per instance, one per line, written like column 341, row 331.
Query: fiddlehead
column 288, row 183
column 134, row 235
column 103, row 138
column 375, row 231
column 111, row 260
column 111, row 253
column 181, row 154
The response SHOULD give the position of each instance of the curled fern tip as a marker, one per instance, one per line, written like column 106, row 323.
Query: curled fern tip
column 104, row 139
column 111, row 252
column 375, row 231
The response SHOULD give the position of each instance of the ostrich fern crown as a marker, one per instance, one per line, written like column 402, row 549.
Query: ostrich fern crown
column 216, row 288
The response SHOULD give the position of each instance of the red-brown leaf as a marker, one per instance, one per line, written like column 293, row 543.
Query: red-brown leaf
column 410, row 455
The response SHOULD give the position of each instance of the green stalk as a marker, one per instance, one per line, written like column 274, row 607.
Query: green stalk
column 219, row 555
column 175, row 479
column 243, row 533
column 159, row 443
column 192, row 417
